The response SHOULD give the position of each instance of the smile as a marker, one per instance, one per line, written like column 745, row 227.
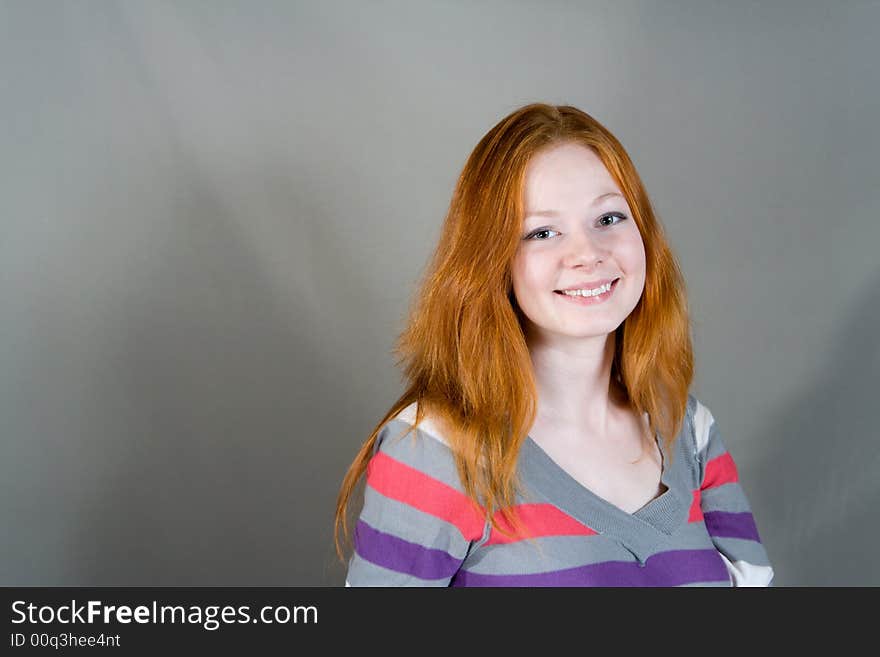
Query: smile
column 591, row 300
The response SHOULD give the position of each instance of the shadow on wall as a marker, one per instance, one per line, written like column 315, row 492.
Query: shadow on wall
column 820, row 458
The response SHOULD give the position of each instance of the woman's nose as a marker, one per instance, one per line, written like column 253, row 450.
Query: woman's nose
column 582, row 248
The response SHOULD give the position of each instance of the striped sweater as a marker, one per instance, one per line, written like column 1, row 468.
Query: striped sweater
column 418, row 528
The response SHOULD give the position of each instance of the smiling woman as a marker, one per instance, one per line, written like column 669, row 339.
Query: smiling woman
column 553, row 440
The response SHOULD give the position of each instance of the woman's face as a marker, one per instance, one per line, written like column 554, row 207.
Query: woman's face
column 585, row 235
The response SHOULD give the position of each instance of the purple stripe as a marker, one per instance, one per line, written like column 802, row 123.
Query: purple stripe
column 397, row 554
column 731, row 525
column 672, row 568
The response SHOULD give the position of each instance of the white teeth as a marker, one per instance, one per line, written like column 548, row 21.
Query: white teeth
column 588, row 293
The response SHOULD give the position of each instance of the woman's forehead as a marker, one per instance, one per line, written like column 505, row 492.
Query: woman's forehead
column 566, row 175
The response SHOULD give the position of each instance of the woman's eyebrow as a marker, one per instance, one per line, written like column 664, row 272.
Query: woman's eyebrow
column 556, row 213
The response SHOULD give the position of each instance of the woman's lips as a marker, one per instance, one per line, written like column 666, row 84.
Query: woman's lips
column 589, row 301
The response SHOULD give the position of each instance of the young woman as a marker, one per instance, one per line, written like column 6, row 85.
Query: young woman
column 547, row 436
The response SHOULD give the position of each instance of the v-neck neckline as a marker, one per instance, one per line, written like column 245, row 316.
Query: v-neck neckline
column 641, row 531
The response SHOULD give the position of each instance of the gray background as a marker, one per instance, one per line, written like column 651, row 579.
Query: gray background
column 214, row 215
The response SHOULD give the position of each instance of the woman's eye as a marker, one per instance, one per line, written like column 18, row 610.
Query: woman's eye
column 540, row 232
column 611, row 215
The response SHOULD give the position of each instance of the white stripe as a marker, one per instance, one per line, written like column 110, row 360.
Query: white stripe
column 427, row 425
column 347, row 583
column 743, row 573
column 703, row 421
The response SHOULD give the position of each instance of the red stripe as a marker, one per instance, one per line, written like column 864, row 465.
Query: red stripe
column 406, row 484
column 538, row 520
column 720, row 470
column 696, row 513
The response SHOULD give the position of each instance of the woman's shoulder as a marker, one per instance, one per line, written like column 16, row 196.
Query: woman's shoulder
column 702, row 421
column 707, row 443
column 421, row 451
column 429, row 426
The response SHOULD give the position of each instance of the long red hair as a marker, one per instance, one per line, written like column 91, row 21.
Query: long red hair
column 463, row 351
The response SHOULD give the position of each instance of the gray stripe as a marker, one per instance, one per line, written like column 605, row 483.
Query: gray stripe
column 546, row 553
column 727, row 497
column 741, row 549
column 411, row 524
column 365, row 573
column 691, row 407
column 690, row 437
